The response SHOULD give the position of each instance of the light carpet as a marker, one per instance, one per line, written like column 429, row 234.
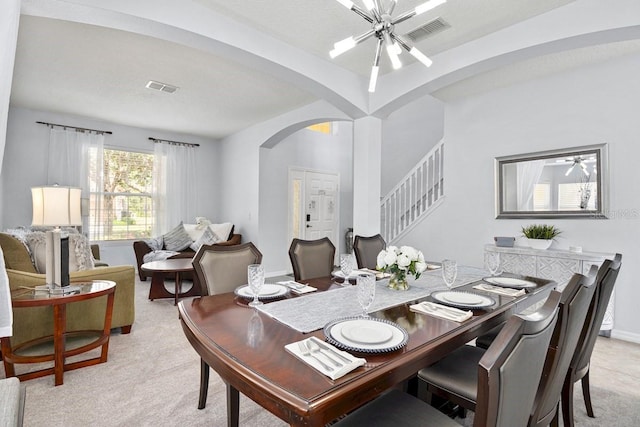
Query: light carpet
column 152, row 379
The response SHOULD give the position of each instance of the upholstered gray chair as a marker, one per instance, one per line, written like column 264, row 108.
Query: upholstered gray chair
column 505, row 391
column 221, row 269
column 454, row 379
column 311, row 258
column 579, row 367
column 366, row 250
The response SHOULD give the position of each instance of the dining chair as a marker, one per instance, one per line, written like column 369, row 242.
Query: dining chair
column 505, row 391
column 453, row 377
column 311, row 258
column 579, row 367
column 366, row 250
column 221, row 269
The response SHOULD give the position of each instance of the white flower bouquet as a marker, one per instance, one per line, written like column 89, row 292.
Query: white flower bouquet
column 400, row 261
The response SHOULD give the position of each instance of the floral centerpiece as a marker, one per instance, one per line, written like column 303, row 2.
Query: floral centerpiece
column 400, row 261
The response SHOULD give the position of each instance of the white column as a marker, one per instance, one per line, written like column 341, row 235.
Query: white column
column 367, row 145
column 9, row 19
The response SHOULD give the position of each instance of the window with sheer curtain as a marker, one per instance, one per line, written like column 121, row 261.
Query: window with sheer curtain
column 126, row 194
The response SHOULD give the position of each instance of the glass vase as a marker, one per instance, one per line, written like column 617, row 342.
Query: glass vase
column 398, row 281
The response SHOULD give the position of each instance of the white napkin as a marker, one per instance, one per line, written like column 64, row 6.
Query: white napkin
column 298, row 288
column 500, row 290
column 327, row 354
column 443, row 311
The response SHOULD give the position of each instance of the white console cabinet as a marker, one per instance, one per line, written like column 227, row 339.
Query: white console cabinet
column 552, row 264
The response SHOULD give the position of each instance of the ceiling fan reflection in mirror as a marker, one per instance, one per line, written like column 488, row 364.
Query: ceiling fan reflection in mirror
column 378, row 14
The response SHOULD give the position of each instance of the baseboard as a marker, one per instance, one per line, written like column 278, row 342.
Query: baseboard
column 625, row 336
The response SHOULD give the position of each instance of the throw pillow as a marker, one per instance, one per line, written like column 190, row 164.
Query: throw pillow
column 80, row 257
column 177, row 239
column 223, row 231
column 207, row 238
column 79, row 252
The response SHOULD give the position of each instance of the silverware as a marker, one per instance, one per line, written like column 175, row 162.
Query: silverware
column 331, row 350
column 307, row 353
column 436, row 307
column 315, row 348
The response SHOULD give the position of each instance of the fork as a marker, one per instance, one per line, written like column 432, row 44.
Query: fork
column 315, row 348
column 307, row 353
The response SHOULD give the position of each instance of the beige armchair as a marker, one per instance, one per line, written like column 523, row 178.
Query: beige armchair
column 32, row 323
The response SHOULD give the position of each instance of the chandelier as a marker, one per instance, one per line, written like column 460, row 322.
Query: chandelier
column 382, row 27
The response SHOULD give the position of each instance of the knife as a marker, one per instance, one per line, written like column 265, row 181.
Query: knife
column 325, row 347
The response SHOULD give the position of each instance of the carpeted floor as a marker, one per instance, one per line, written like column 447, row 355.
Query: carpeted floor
column 152, row 379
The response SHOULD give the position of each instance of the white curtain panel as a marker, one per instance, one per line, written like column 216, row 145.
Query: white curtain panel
column 528, row 175
column 72, row 155
column 75, row 159
column 174, row 185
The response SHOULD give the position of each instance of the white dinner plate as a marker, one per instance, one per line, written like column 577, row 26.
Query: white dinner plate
column 366, row 335
column 463, row 299
column 510, row 282
column 365, row 332
column 266, row 291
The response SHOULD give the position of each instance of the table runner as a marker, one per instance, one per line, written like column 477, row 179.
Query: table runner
column 312, row 312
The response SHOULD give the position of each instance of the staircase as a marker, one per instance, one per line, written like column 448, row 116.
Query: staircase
column 415, row 197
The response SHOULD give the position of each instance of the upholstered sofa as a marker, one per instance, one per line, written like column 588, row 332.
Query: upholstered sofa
column 31, row 323
column 142, row 248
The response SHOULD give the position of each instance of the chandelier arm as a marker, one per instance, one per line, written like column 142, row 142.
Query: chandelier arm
column 364, row 36
column 402, row 42
column 392, row 6
column 375, row 69
column 363, row 14
column 403, row 17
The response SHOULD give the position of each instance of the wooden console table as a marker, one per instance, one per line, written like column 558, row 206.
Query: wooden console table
column 558, row 265
column 26, row 298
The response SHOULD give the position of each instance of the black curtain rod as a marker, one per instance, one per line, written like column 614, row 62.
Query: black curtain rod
column 188, row 144
column 76, row 128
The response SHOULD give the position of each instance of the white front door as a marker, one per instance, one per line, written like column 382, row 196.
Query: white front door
column 313, row 205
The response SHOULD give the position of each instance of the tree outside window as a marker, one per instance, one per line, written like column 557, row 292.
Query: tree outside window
column 120, row 205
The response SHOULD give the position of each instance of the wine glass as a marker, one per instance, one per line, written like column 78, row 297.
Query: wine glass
column 366, row 287
column 449, row 272
column 255, row 274
column 492, row 261
column 346, row 266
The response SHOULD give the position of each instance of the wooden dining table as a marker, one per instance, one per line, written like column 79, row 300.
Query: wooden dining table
column 245, row 347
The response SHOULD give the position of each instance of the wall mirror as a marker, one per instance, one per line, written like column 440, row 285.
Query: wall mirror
column 565, row 183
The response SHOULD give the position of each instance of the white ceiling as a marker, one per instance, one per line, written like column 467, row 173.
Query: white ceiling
column 100, row 72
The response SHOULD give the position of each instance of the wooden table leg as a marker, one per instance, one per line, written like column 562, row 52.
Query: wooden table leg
column 178, row 281
column 157, row 289
column 59, row 327
column 233, row 406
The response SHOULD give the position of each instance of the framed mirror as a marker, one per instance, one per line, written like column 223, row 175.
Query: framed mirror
column 565, row 183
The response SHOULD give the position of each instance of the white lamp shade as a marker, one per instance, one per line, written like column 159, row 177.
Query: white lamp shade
column 56, row 206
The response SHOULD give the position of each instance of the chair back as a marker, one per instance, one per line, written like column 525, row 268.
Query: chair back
column 574, row 305
column 366, row 250
column 510, row 370
column 605, row 280
column 311, row 258
column 221, row 269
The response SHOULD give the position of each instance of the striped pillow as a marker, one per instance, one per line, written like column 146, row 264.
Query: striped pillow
column 177, row 239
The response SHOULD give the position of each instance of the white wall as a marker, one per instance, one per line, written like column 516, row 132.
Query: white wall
column 25, row 166
column 407, row 135
column 304, row 149
column 590, row 105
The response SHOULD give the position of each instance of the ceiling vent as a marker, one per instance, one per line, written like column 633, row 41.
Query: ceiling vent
column 428, row 29
column 162, row 87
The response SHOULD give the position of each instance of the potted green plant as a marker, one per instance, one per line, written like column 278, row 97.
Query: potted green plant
column 540, row 236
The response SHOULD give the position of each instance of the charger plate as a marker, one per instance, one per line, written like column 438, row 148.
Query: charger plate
column 510, row 282
column 267, row 291
column 466, row 300
column 366, row 335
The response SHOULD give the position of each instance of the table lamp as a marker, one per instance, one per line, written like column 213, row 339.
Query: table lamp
column 56, row 206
